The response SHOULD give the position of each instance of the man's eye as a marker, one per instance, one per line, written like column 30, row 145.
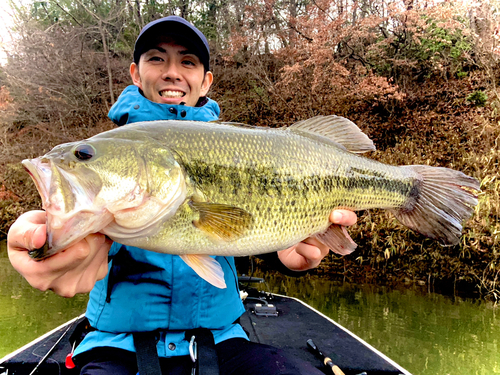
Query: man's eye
column 188, row 62
column 155, row 58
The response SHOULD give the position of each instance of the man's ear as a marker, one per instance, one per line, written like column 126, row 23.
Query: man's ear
column 134, row 73
column 207, row 82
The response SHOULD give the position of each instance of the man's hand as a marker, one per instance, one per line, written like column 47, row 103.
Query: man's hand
column 309, row 253
column 74, row 270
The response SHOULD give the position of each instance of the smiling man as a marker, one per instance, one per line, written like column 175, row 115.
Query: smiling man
column 141, row 299
column 170, row 73
column 171, row 76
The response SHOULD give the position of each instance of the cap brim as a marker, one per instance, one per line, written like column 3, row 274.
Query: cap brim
column 181, row 33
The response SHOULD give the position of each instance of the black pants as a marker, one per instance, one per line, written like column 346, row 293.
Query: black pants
column 236, row 357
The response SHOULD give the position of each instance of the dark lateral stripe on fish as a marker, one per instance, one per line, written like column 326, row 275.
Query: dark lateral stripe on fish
column 265, row 181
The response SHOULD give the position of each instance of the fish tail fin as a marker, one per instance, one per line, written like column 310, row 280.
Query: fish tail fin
column 442, row 199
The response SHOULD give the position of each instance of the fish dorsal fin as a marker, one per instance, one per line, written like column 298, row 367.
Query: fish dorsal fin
column 338, row 130
column 222, row 221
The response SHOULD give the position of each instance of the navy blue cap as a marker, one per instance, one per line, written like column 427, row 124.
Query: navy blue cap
column 181, row 30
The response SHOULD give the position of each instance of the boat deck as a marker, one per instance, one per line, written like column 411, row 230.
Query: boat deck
column 297, row 322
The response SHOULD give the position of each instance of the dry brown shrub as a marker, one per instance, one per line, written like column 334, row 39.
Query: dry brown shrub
column 55, row 91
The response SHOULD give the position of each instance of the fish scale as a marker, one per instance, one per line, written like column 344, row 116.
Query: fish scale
column 290, row 168
column 197, row 189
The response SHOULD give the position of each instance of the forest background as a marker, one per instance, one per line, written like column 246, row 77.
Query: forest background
column 419, row 77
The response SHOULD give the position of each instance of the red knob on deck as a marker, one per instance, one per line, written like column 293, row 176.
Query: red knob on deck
column 69, row 361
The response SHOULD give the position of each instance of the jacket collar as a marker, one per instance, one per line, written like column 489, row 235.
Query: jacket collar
column 132, row 106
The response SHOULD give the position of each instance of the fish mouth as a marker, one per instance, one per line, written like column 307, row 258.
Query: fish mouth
column 68, row 205
column 56, row 187
column 40, row 173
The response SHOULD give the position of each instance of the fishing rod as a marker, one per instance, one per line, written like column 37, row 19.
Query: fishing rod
column 327, row 361
column 52, row 348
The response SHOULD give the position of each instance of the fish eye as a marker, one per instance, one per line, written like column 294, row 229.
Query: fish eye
column 84, row 152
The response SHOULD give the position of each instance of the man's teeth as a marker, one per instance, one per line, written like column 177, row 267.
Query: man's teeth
column 171, row 94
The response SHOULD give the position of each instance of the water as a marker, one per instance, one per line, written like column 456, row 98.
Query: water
column 26, row 313
column 426, row 333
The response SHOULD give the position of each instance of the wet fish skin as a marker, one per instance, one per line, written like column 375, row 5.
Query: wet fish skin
column 193, row 188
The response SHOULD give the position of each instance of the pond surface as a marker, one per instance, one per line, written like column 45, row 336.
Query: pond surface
column 26, row 313
column 426, row 333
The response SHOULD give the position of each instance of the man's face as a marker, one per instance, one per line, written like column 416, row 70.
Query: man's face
column 171, row 74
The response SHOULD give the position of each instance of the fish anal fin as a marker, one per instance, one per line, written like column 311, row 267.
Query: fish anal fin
column 335, row 130
column 207, row 268
column 337, row 239
column 221, row 221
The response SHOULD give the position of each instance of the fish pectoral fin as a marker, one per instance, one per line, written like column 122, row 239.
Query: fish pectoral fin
column 221, row 221
column 335, row 130
column 337, row 239
column 207, row 268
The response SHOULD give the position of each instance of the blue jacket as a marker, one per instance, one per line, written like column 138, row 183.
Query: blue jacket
column 147, row 291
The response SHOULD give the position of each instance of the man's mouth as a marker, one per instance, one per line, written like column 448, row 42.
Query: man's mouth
column 172, row 94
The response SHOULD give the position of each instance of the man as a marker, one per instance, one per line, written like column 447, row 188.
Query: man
column 134, row 290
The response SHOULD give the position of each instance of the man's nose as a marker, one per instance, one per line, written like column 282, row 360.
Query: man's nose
column 171, row 73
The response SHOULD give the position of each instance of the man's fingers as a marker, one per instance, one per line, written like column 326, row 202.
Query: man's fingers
column 39, row 237
column 35, row 217
column 28, row 232
column 73, row 270
column 310, row 252
column 322, row 248
column 343, row 217
column 76, row 256
column 303, row 256
column 31, row 237
column 103, row 270
column 77, row 269
column 92, row 267
column 83, row 278
column 101, row 259
column 98, row 269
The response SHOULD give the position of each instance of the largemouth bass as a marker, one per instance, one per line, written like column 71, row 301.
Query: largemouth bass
column 198, row 189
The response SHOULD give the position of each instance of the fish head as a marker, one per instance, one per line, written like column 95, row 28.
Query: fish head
column 118, row 187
